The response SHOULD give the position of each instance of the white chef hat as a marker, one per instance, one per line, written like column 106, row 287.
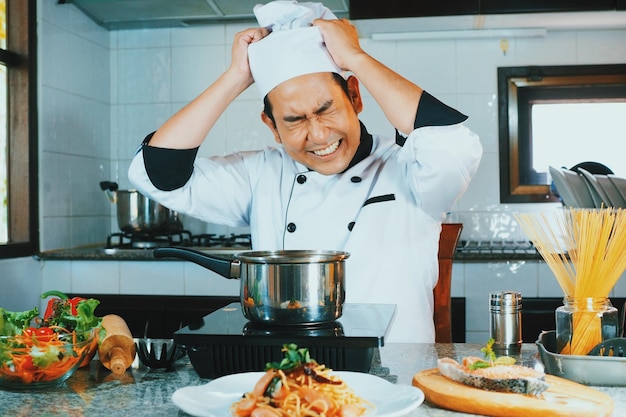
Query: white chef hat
column 293, row 48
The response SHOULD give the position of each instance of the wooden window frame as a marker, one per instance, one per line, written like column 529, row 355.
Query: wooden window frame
column 20, row 59
column 518, row 89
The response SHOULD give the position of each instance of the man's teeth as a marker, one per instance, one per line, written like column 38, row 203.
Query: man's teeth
column 332, row 148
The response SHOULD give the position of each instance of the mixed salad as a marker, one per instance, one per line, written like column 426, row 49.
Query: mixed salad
column 36, row 349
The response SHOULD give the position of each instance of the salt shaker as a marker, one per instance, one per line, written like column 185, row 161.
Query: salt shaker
column 505, row 322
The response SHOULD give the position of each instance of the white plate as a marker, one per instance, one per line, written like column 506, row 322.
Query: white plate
column 215, row 398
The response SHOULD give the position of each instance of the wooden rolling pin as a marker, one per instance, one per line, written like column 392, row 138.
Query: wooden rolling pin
column 117, row 349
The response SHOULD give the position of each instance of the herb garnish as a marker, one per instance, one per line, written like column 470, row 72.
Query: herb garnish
column 491, row 358
column 294, row 357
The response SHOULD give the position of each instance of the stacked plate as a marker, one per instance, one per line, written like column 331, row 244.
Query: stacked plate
column 583, row 189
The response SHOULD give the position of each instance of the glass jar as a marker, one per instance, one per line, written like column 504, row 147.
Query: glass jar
column 583, row 322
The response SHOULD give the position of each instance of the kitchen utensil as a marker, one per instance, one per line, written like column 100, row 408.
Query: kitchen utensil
column 584, row 369
column 280, row 287
column 505, row 322
column 138, row 213
column 117, row 350
column 159, row 353
column 610, row 347
column 562, row 398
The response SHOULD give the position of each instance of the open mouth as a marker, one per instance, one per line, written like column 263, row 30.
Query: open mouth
column 328, row 150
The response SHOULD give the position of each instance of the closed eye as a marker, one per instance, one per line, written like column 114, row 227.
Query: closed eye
column 323, row 108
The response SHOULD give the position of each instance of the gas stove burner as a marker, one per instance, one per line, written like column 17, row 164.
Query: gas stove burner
column 212, row 240
column 332, row 329
column 126, row 240
column 146, row 244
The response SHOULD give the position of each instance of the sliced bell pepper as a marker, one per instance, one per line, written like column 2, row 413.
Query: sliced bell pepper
column 62, row 299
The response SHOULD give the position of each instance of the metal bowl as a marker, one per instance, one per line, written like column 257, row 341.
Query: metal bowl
column 159, row 353
column 587, row 370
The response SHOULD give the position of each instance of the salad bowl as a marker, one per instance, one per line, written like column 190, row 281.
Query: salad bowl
column 32, row 360
column 39, row 351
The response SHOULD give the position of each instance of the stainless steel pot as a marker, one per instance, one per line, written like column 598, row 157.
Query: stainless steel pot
column 136, row 212
column 292, row 287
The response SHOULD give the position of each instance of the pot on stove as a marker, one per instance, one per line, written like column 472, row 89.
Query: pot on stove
column 289, row 287
column 137, row 213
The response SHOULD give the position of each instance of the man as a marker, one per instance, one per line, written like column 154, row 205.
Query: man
column 330, row 184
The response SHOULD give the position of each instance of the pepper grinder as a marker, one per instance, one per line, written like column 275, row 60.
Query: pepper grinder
column 505, row 322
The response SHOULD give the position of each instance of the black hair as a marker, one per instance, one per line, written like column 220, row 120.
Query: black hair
column 267, row 106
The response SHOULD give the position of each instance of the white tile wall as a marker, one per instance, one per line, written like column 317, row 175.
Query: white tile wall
column 74, row 127
column 484, row 278
column 101, row 92
column 20, row 280
column 199, row 280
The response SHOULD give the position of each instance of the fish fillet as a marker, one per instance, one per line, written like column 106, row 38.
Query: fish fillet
column 502, row 378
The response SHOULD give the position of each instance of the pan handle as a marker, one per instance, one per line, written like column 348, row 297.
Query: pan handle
column 110, row 189
column 228, row 269
column 108, row 185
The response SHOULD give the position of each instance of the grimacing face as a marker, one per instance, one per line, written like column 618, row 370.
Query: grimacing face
column 316, row 122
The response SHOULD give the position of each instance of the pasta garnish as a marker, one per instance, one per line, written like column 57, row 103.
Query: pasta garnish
column 298, row 386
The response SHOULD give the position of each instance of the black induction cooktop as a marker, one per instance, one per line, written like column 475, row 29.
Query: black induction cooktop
column 225, row 342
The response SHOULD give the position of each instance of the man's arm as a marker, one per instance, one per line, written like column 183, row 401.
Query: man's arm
column 188, row 128
column 396, row 96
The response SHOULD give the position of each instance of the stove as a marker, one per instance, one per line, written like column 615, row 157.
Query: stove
column 496, row 246
column 225, row 342
column 140, row 240
column 210, row 240
column 126, row 240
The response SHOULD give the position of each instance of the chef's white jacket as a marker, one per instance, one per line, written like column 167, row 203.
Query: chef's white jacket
column 386, row 211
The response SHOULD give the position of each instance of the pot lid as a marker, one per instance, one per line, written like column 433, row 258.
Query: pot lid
column 292, row 256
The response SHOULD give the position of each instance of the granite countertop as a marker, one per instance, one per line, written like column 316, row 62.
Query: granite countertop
column 94, row 391
column 102, row 254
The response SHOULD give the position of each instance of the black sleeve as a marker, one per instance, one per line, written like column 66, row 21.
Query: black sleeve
column 432, row 112
column 168, row 169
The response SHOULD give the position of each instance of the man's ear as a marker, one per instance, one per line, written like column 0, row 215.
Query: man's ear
column 270, row 123
column 355, row 94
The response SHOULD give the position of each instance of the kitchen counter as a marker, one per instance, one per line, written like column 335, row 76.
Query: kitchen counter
column 102, row 254
column 464, row 253
column 94, row 391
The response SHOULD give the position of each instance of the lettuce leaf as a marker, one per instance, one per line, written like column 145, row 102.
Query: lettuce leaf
column 43, row 357
column 83, row 322
column 14, row 322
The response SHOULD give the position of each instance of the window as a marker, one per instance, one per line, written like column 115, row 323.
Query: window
column 559, row 116
column 18, row 145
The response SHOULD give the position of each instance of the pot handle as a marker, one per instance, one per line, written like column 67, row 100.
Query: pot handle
column 109, row 188
column 228, row 269
column 108, row 185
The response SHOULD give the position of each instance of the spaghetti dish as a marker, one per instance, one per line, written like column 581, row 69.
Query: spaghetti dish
column 300, row 387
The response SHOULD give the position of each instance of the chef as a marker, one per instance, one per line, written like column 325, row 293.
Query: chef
column 329, row 184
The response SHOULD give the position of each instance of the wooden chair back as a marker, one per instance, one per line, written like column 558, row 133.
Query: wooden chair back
column 450, row 233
